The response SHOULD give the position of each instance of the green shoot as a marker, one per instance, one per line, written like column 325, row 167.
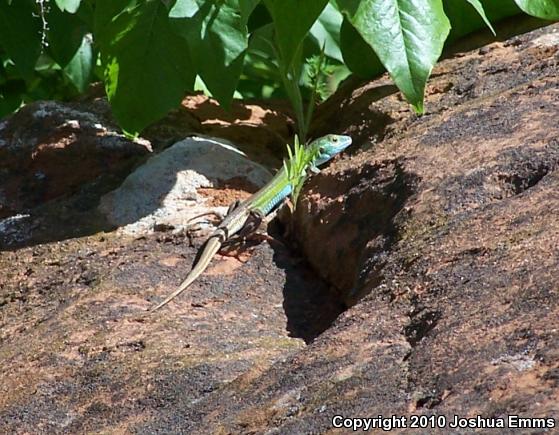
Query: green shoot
column 299, row 159
column 318, row 70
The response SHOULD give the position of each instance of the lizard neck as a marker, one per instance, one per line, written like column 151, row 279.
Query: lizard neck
column 271, row 194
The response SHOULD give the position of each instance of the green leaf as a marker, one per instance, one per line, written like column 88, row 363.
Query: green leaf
column 147, row 66
column 326, row 32
column 359, row 57
column 465, row 19
column 292, row 21
column 261, row 73
column 68, row 5
column 86, row 13
column 258, row 18
column 20, row 34
column 217, row 35
column 80, row 67
column 247, row 7
column 185, row 9
column 547, row 9
column 298, row 161
column 407, row 36
column 107, row 11
column 479, row 9
column 11, row 95
column 65, row 35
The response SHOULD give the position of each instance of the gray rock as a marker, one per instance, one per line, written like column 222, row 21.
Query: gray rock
column 164, row 190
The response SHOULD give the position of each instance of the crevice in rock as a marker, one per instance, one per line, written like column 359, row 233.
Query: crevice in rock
column 519, row 183
column 380, row 193
column 526, row 171
column 515, row 171
column 348, row 251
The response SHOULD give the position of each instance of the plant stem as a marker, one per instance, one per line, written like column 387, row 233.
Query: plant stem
column 316, row 83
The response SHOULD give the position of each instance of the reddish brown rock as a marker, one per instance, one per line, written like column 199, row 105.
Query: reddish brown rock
column 49, row 149
column 260, row 129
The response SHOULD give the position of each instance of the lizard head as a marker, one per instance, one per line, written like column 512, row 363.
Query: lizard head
column 328, row 146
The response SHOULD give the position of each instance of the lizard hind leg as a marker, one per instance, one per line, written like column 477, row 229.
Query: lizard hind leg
column 217, row 214
column 234, row 247
column 234, row 205
column 252, row 224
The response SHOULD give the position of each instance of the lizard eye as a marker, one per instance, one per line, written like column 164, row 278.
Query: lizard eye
column 334, row 139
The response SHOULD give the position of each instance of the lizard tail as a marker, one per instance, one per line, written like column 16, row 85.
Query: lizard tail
column 211, row 248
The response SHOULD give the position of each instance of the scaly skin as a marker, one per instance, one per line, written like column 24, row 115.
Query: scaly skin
column 259, row 205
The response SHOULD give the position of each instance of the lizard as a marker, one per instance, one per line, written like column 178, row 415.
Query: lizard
column 259, row 205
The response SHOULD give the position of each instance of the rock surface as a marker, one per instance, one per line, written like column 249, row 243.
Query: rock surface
column 41, row 145
column 446, row 226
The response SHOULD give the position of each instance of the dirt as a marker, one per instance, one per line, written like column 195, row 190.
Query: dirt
column 225, row 193
column 419, row 278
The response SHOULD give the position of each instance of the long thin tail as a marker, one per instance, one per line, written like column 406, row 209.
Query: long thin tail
column 211, row 248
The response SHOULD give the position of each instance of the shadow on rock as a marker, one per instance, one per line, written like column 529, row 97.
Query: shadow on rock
column 310, row 305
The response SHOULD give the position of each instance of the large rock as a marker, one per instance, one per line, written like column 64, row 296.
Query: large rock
column 449, row 224
column 50, row 149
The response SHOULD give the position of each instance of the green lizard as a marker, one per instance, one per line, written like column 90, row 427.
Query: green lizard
column 260, row 204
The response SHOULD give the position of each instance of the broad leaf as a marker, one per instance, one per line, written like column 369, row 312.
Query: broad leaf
column 261, row 73
column 292, row 21
column 258, row 18
column 217, row 36
column 106, row 11
column 466, row 19
column 147, row 66
column 479, row 9
column 261, row 48
column 407, row 36
column 71, row 46
column 359, row 57
column 80, row 67
column 326, row 32
column 247, row 7
column 547, row 9
column 68, row 5
column 65, row 35
column 20, row 34
column 11, row 95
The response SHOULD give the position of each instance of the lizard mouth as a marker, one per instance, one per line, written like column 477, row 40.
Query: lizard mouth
column 344, row 142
